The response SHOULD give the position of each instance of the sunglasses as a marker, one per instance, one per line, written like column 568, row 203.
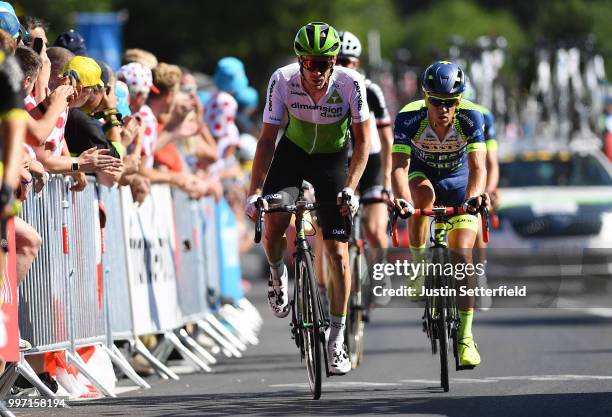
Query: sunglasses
column 316, row 65
column 445, row 102
column 189, row 89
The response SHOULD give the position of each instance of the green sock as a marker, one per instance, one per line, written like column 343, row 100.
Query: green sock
column 465, row 324
column 418, row 253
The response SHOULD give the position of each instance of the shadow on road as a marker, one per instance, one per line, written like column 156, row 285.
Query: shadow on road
column 298, row 404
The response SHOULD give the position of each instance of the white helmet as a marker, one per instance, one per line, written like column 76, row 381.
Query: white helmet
column 349, row 44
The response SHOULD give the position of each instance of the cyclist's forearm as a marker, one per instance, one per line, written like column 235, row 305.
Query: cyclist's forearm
column 261, row 164
column 477, row 176
column 386, row 140
column 399, row 176
column 361, row 151
column 357, row 166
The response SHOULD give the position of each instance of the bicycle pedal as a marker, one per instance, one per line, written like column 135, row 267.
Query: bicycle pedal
column 465, row 367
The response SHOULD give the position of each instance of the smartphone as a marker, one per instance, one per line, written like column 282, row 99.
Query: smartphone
column 37, row 45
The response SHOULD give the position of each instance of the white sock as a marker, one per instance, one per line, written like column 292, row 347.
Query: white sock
column 336, row 333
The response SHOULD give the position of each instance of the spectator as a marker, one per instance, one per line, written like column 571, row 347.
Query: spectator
column 84, row 132
column 139, row 81
column 7, row 43
column 140, row 56
column 27, row 240
column 54, row 155
column 30, row 64
column 38, row 29
column 8, row 19
column 73, row 41
column 248, row 100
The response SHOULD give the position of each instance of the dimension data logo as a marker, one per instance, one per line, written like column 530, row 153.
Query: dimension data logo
column 334, row 98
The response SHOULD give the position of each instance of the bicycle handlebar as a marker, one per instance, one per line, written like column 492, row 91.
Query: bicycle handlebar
column 437, row 212
column 288, row 208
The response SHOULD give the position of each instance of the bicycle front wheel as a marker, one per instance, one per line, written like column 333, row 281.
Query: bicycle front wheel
column 354, row 320
column 443, row 344
column 311, row 334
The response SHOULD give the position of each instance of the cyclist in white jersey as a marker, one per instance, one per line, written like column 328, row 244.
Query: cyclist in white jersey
column 321, row 102
column 375, row 182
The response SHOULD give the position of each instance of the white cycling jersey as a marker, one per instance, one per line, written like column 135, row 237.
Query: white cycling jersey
column 316, row 127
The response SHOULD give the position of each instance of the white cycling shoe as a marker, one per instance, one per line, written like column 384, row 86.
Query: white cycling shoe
column 338, row 359
column 278, row 296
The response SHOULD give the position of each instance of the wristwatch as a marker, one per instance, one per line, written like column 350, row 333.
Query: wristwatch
column 75, row 165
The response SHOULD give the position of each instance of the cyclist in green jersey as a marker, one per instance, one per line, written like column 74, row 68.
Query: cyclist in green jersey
column 321, row 102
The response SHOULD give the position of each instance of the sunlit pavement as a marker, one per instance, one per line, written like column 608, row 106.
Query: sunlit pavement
column 535, row 362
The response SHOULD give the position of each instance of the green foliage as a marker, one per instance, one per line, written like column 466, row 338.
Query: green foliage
column 197, row 33
column 428, row 32
column 60, row 13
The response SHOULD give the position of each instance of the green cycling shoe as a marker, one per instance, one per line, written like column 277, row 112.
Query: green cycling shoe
column 468, row 352
column 418, row 283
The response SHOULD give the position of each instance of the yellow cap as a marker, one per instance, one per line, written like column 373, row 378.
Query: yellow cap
column 86, row 71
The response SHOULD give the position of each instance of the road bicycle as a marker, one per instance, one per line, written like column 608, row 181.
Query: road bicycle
column 308, row 320
column 441, row 316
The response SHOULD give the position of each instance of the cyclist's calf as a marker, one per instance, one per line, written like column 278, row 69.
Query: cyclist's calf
column 275, row 225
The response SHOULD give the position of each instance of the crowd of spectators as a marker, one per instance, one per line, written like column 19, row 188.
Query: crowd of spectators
column 147, row 122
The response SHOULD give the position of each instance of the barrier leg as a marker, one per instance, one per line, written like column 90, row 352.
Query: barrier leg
column 250, row 314
column 190, row 342
column 246, row 305
column 7, row 379
column 224, row 331
column 235, row 318
column 120, row 361
column 163, row 370
column 228, row 346
column 162, row 350
column 82, row 367
column 4, row 412
column 186, row 353
column 24, row 369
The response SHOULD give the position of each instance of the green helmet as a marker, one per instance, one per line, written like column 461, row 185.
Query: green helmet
column 317, row 38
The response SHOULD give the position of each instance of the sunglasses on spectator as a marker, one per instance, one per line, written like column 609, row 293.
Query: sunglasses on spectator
column 189, row 89
column 446, row 102
column 346, row 61
column 316, row 65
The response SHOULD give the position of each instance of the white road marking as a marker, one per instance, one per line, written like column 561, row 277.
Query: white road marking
column 485, row 380
column 344, row 384
column 572, row 305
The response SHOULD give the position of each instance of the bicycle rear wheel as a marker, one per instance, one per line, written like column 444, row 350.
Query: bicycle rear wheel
column 311, row 333
column 443, row 302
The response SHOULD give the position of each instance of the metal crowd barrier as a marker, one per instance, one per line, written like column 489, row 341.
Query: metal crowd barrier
column 110, row 270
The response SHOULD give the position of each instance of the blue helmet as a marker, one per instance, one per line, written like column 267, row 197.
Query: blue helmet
column 443, row 77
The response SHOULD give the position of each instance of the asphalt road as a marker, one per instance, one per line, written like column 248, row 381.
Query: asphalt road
column 536, row 362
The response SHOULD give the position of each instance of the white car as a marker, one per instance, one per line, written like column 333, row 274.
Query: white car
column 556, row 209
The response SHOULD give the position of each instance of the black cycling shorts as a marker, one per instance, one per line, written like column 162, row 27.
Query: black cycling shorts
column 326, row 172
column 371, row 182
